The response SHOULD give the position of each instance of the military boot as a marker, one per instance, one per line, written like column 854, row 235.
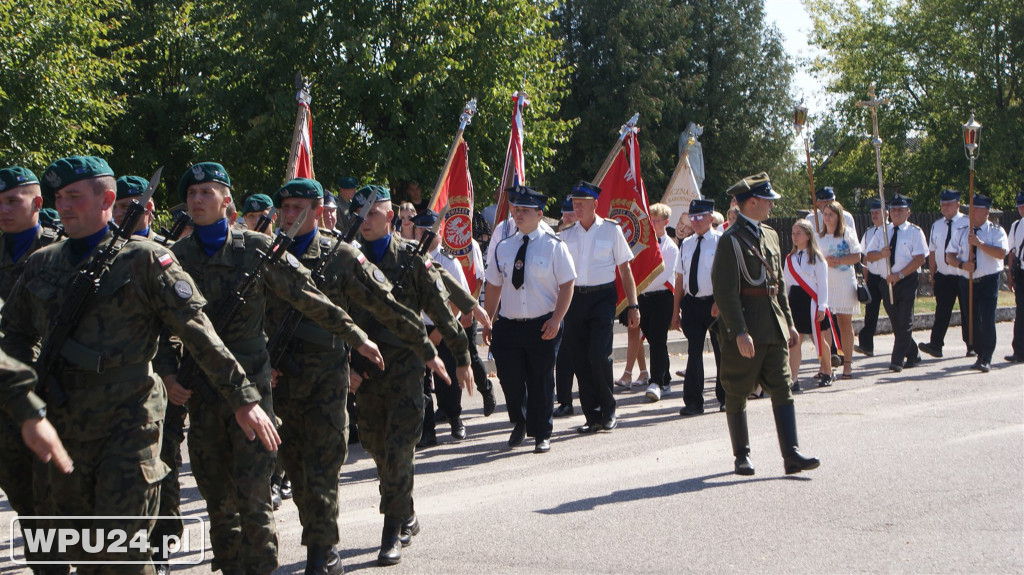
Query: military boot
column 409, row 528
column 322, row 560
column 390, row 543
column 740, row 442
column 785, row 425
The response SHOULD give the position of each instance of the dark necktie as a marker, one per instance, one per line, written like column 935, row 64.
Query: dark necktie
column 694, row 263
column 974, row 249
column 949, row 234
column 892, row 246
column 519, row 268
column 800, row 257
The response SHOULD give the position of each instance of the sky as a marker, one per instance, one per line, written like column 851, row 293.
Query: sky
column 792, row 19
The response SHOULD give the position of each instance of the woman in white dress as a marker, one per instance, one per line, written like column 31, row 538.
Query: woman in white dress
column 842, row 251
column 807, row 289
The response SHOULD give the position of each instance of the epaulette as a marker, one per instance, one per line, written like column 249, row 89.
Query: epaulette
column 555, row 236
column 333, row 233
column 159, row 239
column 611, row 221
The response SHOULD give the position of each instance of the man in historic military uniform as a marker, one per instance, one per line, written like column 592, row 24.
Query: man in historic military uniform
column 232, row 474
column 256, row 206
column 755, row 326
column 944, row 277
column 311, row 402
column 110, row 421
column 391, row 403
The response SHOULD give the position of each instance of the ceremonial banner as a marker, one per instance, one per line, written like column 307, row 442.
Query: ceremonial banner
column 624, row 199
column 457, row 229
column 514, row 173
column 682, row 188
column 300, row 158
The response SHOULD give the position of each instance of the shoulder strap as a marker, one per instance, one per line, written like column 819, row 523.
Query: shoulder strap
column 238, row 250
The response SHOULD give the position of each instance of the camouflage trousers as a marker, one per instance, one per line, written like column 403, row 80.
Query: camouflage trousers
column 390, row 424
column 233, row 476
column 314, row 445
column 170, row 487
column 23, row 479
column 117, row 475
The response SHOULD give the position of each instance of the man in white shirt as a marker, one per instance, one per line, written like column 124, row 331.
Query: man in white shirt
column 599, row 250
column 1016, row 277
column 693, row 306
column 822, row 198
column 874, row 279
column 945, row 278
column 532, row 278
column 906, row 251
column 980, row 249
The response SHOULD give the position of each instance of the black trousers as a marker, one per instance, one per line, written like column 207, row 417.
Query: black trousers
column 525, row 362
column 655, row 319
column 1018, row 321
column 901, row 315
column 588, row 331
column 483, row 383
column 866, row 335
column 947, row 292
column 696, row 320
column 449, row 397
column 986, row 298
column 564, row 372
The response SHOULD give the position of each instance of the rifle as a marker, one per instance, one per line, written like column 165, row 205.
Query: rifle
column 181, row 221
column 278, row 346
column 50, row 363
column 226, row 311
column 264, row 222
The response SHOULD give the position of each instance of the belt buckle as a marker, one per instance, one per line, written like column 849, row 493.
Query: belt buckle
column 773, row 291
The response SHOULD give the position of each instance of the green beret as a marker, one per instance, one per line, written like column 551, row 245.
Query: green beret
column 256, row 203
column 303, row 188
column 67, row 171
column 347, row 183
column 16, row 176
column 49, row 218
column 202, row 172
column 382, row 195
column 131, row 187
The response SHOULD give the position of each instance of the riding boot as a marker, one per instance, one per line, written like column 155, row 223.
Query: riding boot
column 785, row 425
column 740, row 442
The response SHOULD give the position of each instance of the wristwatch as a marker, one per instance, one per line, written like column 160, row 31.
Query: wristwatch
column 901, row 274
column 633, row 306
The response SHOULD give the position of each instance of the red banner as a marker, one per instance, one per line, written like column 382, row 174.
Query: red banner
column 304, row 158
column 514, row 173
column 624, row 199
column 457, row 229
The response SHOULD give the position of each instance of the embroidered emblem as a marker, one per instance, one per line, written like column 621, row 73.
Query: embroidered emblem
column 183, row 289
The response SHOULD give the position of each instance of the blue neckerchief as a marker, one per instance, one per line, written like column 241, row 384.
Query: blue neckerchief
column 144, row 232
column 19, row 242
column 380, row 246
column 81, row 247
column 213, row 236
column 301, row 243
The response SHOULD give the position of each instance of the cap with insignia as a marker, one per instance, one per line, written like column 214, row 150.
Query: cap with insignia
column 899, row 201
column 16, row 176
column 330, row 200
column 67, row 171
column 348, row 183
column 567, row 206
column 756, row 186
column 949, row 196
column 826, row 193
column 201, row 173
column 382, row 195
column 526, row 197
column 425, row 219
column 874, row 204
column 584, row 191
column 256, row 203
column 701, row 206
column 1020, row 198
column 981, row 201
column 303, row 188
column 131, row 186
column 49, row 217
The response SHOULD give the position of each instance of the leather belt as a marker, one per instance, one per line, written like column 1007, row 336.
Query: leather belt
column 544, row 317
column 708, row 298
column 657, row 292
column 78, row 379
column 592, row 289
column 770, row 291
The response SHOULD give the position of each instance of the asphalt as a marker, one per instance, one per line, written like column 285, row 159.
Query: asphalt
column 921, row 473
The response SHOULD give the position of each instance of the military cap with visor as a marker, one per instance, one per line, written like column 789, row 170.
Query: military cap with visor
column 756, row 186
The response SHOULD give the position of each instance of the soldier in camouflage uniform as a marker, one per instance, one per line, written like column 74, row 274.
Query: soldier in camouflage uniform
column 391, row 403
column 128, row 189
column 311, row 402
column 19, row 402
column 256, row 206
column 111, row 421
column 233, row 474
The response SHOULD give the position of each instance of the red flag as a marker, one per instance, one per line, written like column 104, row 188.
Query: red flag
column 304, row 157
column 457, row 229
column 624, row 199
column 514, row 173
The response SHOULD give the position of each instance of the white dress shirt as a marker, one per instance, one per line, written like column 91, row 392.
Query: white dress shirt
column 708, row 247
column 910, row 243
column 499, row 234
column 876, row 267
column 937, row 242
column 669, row 255
column 453, row 267
column 597, row 252
column 990, row 234
column 548, row 265
column 1016, row 239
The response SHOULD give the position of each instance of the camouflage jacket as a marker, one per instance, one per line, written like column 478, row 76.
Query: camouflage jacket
column 107, row 374
column 424, row 290
column 16, row 379
column 219, row 275
column 356, row 285
column 10, row 270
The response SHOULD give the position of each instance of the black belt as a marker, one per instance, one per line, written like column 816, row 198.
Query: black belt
column 544, row 317
column 654, row 293
column 78, row 379
column 706, row 298
column 982, row 278
column 592, row 289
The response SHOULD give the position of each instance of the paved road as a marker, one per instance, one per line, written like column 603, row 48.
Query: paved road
column 922, row 472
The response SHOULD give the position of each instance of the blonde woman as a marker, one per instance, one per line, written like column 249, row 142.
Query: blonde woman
column 807, row 287
column 842, row 251
column 406, row 211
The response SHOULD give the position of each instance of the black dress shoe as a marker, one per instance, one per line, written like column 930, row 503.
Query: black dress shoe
column 982, row 367
column 563, row 410
column 518, row 435
column 1014, row 358
column 932, row 350
column 275, row 496
column 912, row 362
column 426, row 442
column 286, row 488
column 440, row 416
column 971, row 353
column 409, row 528
column 795, row 387
column 863, row 351
column 543, row 446
column 690, row 410
column 610, row 424
column 390, row 545
column 796, row 462
column 458, row 429
column 489, row 402
column 589, row 428
column 895, row 367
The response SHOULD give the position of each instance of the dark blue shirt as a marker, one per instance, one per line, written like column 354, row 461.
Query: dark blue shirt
column 19, row 242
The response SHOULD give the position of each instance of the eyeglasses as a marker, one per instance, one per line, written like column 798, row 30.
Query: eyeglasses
column 698, row 216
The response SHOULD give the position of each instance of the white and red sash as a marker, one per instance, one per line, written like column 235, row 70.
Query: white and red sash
column 814, row 305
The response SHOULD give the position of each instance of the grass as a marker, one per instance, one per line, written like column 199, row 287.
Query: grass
column 927, row 304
